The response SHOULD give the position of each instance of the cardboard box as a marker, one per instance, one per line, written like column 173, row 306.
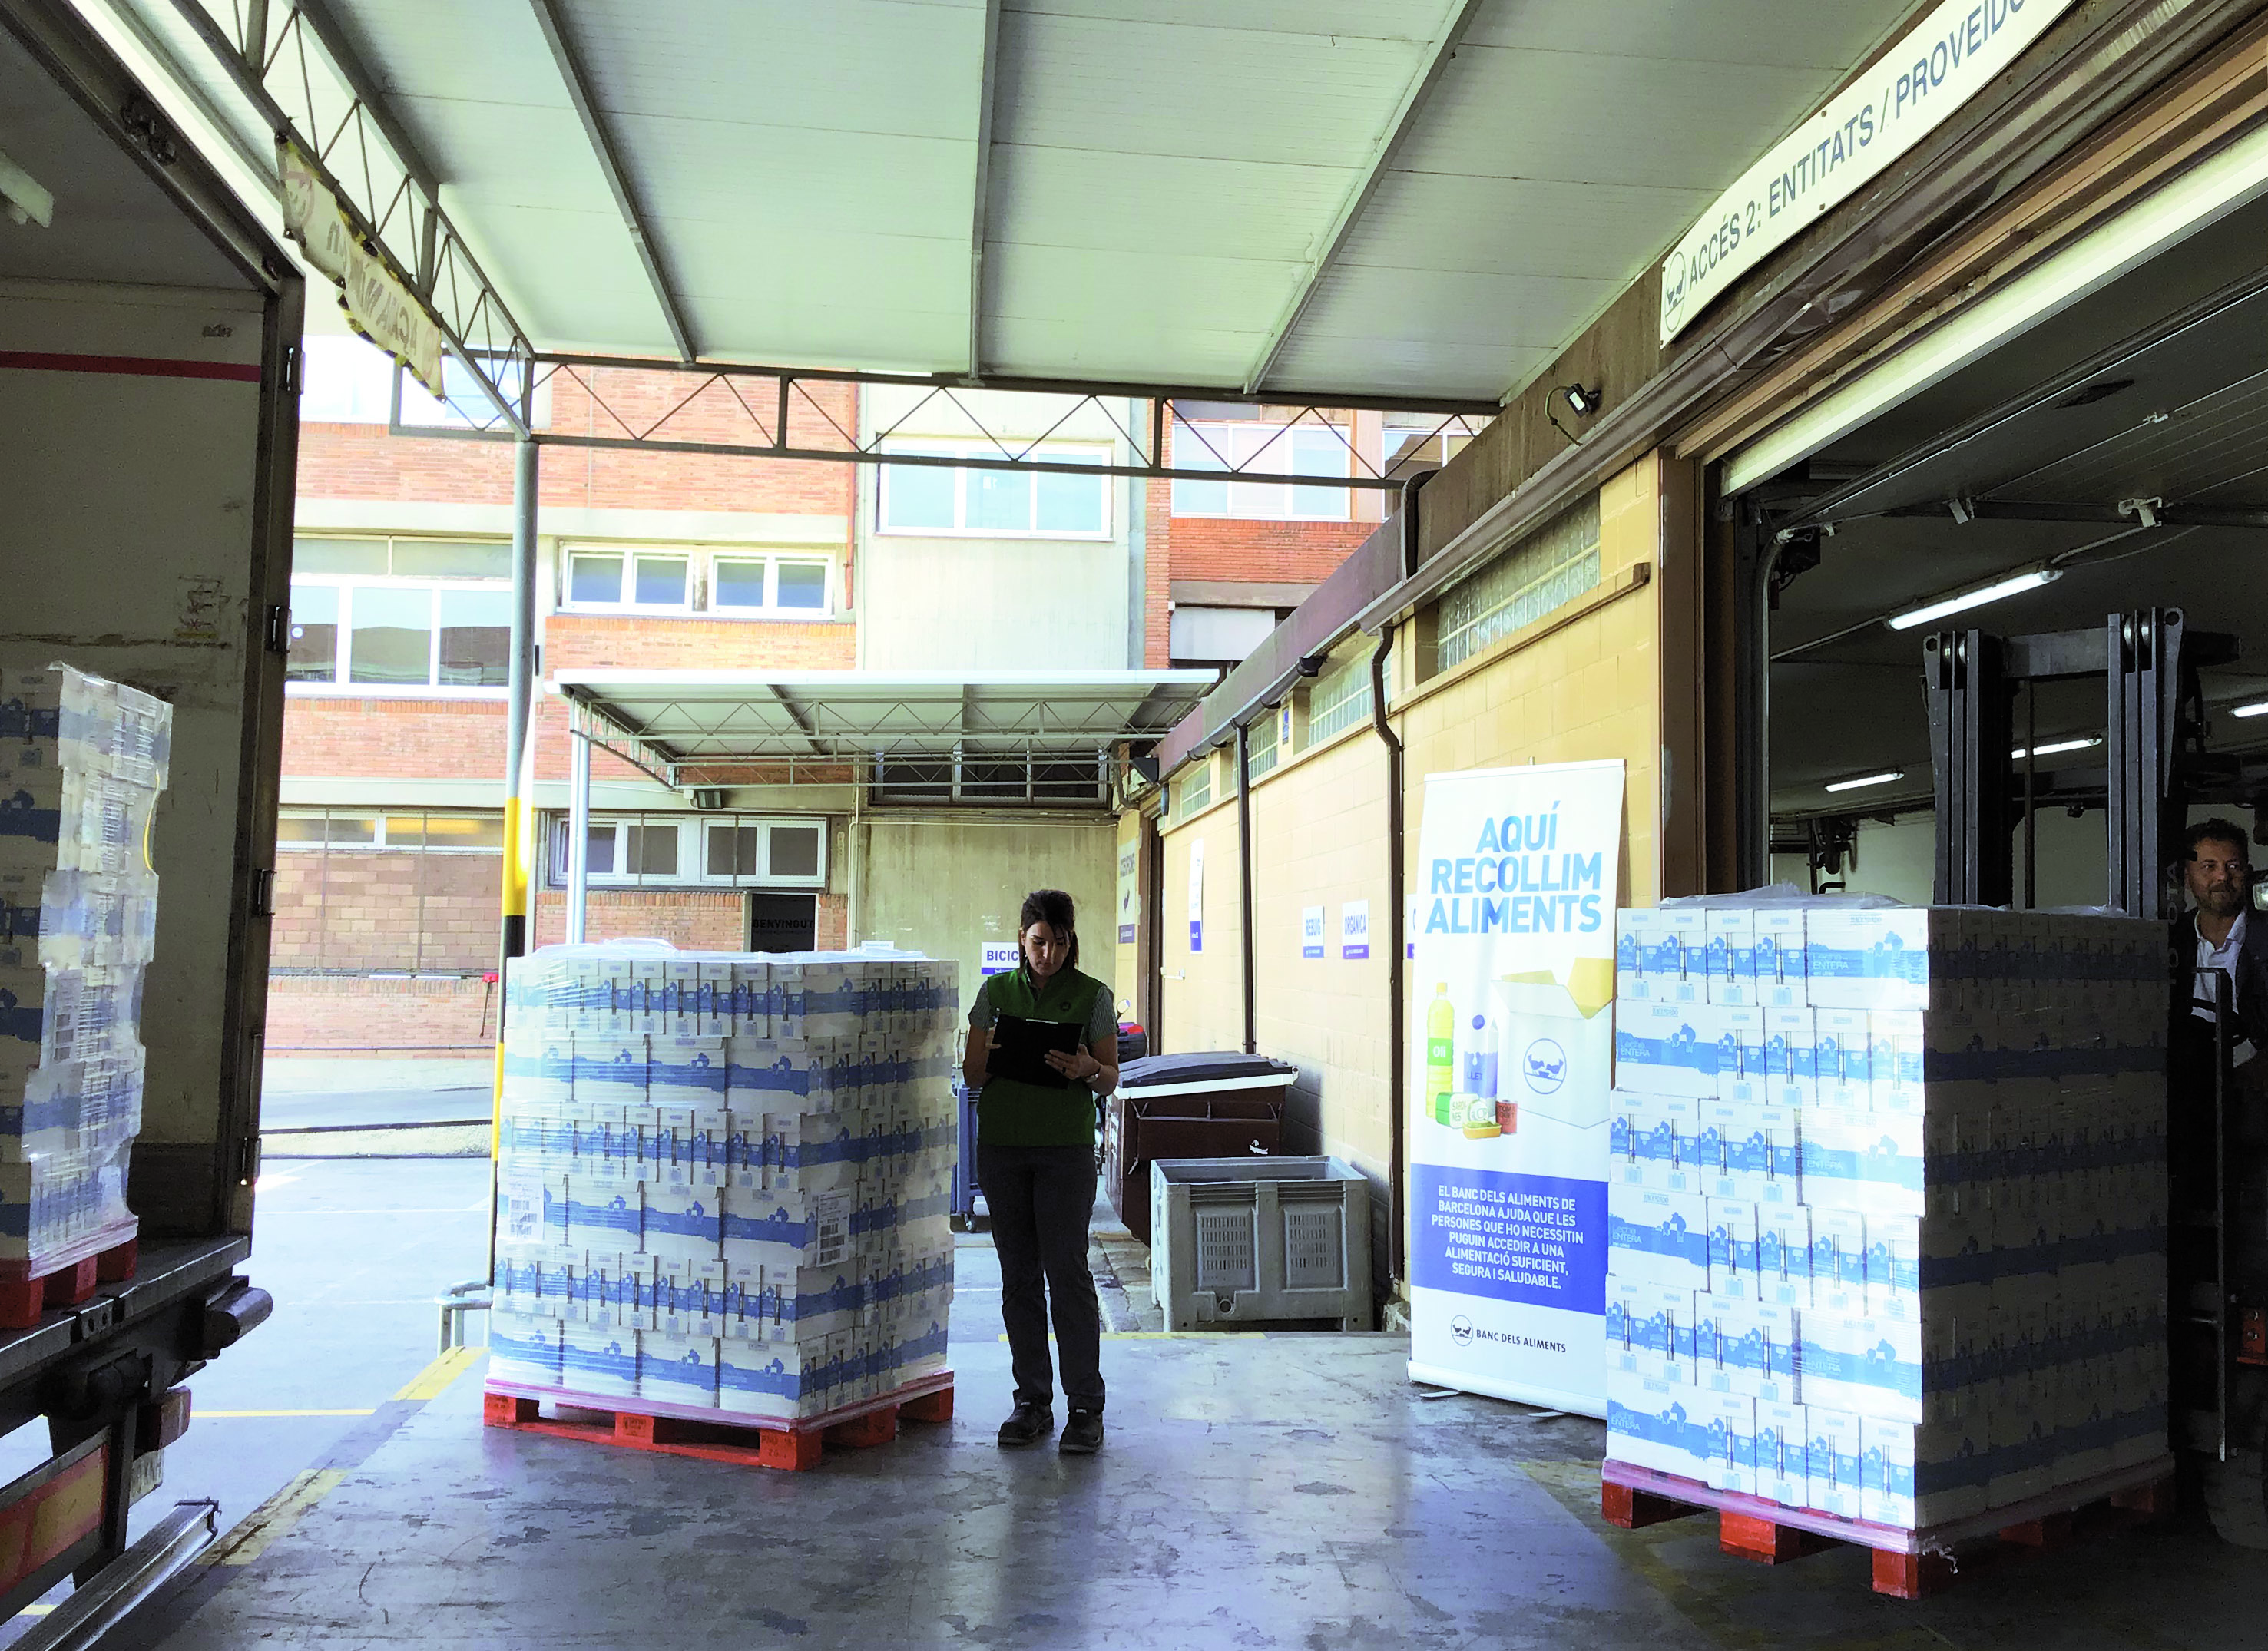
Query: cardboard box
column 1732, row 956
column 1650, row 1330
column 1666, row 1048
column 1833, row 1466
column 1783, row 1454
column 1656, row 1424
column 1658, row 1237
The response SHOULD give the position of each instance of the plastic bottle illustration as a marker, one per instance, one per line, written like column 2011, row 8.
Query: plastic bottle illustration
column 1441, row 1053
column 1481, row 1058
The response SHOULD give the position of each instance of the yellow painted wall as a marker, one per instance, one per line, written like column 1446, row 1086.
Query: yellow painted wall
column 946, row 886
column 1567, row 690
column 1203, row 992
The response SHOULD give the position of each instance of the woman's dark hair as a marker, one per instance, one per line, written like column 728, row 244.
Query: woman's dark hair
column 1053, row 907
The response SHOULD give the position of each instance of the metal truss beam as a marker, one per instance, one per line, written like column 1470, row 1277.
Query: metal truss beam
column 987, row 78
column 786, row 422
column 1430, row 71
column 292, row 65
column 602, row 146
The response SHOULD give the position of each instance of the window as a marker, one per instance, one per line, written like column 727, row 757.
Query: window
column 1550, row 568
column 1340, row 697
column 979, row 773
column 1265, row 745
column 1299, row 450
column 994, row 504
column 345, row 380
column 394, row 831
column 685, row 850
column 1194, row 789
column 399, row 614
column 721, row 582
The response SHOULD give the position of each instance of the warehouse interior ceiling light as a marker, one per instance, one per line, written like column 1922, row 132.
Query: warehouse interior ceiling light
column 1864, row 780
column 2258, row 708
column 2006, row 585
column 2057, row 747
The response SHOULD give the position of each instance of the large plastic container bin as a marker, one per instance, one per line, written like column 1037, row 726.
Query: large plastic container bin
column 1214, row 1105
column 1245, row 1242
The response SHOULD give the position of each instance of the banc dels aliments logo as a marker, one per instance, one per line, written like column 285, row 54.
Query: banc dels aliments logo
column 1545, row 1066
column 1460, row 1331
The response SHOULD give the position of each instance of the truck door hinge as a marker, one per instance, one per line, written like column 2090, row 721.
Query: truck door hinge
column 2252, row 1335
column 279, row 628
column 262, row 892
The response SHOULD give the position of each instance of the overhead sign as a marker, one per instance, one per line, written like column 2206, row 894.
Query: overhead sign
column 1908, row 92
column 1512, row 1043
column 377, row 305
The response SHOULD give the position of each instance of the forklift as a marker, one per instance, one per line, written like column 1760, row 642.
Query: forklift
column 2155, row 766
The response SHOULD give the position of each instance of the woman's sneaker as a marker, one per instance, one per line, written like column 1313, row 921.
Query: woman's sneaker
column 1028, row 1424
column 1082, row 1435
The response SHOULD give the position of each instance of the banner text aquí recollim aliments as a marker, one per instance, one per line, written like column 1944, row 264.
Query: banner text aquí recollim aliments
column 1511, row 1046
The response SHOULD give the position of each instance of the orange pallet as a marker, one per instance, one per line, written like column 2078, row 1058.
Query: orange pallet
column 1907, row 1563
column 711, row 1436
column 69, row 1281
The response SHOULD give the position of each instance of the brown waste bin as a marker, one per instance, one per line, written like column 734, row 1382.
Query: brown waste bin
column 1221, row 1104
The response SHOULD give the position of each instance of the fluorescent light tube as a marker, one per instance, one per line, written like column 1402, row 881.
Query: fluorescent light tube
column 2008, row 584
column 1869, row 779
column 2258, row 708
column 2057, row 747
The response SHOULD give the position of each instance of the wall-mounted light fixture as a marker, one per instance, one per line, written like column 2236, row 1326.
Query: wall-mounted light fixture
column 1864, row 780
column 1581, row 402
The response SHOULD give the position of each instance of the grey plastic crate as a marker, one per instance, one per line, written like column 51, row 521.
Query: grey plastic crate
column 1239, row 1242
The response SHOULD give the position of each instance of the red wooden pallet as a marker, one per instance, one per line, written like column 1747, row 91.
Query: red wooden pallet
column 1907, row 1563
column 65, row 1281
column 717, row 1436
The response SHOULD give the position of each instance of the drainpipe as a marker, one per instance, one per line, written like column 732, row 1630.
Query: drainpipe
column 1244, row 876
column 1396, row 897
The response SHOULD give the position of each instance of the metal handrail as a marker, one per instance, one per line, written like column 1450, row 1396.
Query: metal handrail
column 473, row 1295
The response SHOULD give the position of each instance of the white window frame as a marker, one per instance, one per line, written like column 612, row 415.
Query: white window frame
column 629, row 554
column 1099, row 451
column 773, row 560
column 700, row 601
column 1272, row 447
column 379, row 844
column 692, row 871
column 343, row 684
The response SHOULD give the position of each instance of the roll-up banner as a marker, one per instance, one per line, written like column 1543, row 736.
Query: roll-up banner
column 1512, row 1050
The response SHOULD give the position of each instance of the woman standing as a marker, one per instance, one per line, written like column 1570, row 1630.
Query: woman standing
column 1035, row 1162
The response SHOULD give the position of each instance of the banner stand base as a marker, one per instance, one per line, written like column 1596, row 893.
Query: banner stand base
column 1517, row 1392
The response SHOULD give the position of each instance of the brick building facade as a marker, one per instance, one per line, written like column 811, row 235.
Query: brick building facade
column 390, row 846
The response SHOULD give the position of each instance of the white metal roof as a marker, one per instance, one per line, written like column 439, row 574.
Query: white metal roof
column 703, row 718
column 1373, row 197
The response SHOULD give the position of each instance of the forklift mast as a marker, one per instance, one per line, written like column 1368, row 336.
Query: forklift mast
column 2154, row 756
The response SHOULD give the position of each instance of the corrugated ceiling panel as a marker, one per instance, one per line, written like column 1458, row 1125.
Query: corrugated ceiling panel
column 1621, row 120
column 1364, row 301
column 869, row 301
column 847, row 65
column 1135, row 348
column 1791, row 34
column 1525, row 226
column 1383, row 19
column 1164, row 88
column 790, row 179
column 588, row 291
column 1140, row 203
column 1407, row 365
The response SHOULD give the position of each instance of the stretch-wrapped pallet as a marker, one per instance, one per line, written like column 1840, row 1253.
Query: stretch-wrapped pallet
column 724, row 1179
column 83, row 761
column 1886, row 1203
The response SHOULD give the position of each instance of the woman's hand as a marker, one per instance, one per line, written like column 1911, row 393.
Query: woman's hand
column 1079, row 1065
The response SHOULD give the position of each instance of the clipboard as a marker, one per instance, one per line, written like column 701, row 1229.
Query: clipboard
column 1022, row 1050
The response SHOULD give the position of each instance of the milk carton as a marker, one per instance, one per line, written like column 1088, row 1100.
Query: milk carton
column 1842, row 1059
column 1732, row 957
column 1743, row 1057
column 1833, row 1465
column 1649, row 1331
column 1838, row 1261
column 1653, row 1141
column 1784, row 1255
column 1791, row 1058
column 1870, row 1366
column 1783, row 1453
column 1658, row 1237
column 1656, row 1424
column 1732, row 1247
column 1780, row 957
column 1731, row 1422
column 1666, row 1048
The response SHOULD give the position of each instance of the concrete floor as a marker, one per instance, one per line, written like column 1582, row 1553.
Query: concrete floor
column 1290, row 1491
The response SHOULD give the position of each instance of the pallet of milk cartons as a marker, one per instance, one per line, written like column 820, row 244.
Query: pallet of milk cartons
column 724, row 1195
column 83, row 761
column 1886, row 1210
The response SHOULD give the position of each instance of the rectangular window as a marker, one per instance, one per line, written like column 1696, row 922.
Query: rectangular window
column 395, row 831
column 742, row 585
column 1299, row 450
column 1340, row 697
column 767, row 584
column 1265, row 748
column 1194, row 789
column 686, row 851
column 1547, row 569
column 398, row 613
column 995, row 503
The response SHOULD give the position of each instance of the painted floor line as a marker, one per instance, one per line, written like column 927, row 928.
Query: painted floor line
column 262, row 1415
column 435, row 1378
column 274, row 1518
